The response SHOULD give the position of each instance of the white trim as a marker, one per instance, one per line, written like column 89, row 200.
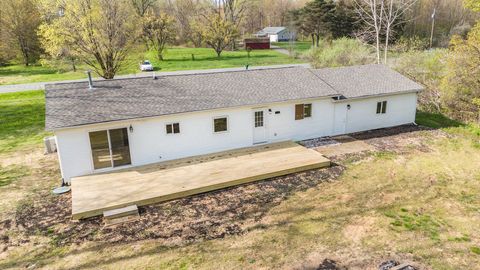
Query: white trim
column 213, row 124
column 112, row 167
column 173, row 133
column 260, row 105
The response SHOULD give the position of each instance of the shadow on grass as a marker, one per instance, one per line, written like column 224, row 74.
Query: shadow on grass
column 17, row 70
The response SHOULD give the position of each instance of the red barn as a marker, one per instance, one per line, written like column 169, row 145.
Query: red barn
column 259, row 43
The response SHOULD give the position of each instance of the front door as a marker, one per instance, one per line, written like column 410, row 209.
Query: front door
column 259, row 126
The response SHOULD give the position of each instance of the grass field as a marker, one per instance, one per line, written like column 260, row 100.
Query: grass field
column 405, row 203
column 22, row 118
column 299, row 46
column 176, row 58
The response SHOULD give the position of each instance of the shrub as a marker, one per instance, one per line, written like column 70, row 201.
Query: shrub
column 340, row 52
column 426, row 68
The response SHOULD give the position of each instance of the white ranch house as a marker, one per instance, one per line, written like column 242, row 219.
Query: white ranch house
column 132, row 122
column 276, row 34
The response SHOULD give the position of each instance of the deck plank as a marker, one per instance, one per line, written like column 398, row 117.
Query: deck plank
column 163, row 181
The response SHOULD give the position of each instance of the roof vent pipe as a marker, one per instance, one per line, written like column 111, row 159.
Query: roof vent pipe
column 90, row 82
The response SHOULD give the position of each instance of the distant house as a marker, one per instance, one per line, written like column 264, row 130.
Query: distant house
column 259, row 43
column 130, row 122
column 275, row 34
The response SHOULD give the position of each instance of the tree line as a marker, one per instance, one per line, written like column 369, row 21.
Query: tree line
column 102, row 33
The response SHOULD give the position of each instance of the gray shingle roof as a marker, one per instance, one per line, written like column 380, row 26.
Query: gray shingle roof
column 272, row 30
column 366, row 80
column 74, row 104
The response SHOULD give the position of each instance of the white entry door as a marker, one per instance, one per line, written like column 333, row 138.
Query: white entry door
column 259, row 126
column 341, row 118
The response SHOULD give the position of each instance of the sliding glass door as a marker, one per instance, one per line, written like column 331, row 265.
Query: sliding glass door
column 110, row 148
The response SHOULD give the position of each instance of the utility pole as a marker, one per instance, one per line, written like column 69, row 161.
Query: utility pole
column 433, row 26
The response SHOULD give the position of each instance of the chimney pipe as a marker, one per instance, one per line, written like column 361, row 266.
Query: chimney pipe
column 90, row 82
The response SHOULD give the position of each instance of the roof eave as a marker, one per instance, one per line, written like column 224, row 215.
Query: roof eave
column 379, row 95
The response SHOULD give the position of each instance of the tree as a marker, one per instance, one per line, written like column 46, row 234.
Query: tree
column 345, row 20
column 142, row 6
column 380, row 17
column 158, row 30
column 473, row 5
column 316, row 19
column 461, row 84
column 99, row 32
column 21, row 20
column 393, row 14
column 217, row 32
column 56, row 47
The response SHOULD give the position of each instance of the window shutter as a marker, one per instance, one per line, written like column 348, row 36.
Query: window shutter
column 299, row 112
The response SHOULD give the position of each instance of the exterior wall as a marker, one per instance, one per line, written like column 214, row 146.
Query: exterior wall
column 273, row 38
column 284, row 35
column 257, row 45
column 149, row 142
column 361, row 116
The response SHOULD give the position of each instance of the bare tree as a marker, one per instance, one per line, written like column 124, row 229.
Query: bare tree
column 395, row 9
column 380, row 17
column 371, row 13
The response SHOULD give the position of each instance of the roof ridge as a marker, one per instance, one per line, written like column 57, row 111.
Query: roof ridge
column 199, row 72
column 329, row 85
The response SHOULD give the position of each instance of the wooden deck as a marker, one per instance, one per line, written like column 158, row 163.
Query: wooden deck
column 93, row 194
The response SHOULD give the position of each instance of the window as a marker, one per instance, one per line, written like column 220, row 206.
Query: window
column 173, row 128
column 381, row 107
column 259, row 119
column 110, row 148
column 303, row 111
column 220, row 124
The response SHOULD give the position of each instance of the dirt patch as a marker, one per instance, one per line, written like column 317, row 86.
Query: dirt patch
column 356, row 232
column 23, row 158
column 401, row 139
column 206, row 216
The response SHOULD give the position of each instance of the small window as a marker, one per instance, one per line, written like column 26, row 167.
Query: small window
column 259, row 119
column 307, row 110
column 381, row 107
column 220, row 124
column 173, row 128
column 303, row 111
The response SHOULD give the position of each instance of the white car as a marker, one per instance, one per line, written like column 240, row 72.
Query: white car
column 146, row 66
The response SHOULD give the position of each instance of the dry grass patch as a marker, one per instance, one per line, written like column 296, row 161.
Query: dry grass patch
column 415, row 200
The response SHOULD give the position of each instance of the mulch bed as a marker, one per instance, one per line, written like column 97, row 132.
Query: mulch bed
column 207, row 216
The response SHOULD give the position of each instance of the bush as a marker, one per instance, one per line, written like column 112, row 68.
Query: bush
column 407, row 44
column 428, row 69
column 340, row 52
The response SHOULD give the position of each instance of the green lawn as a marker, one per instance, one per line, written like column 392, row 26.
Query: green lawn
column 22, row 120
column 177, row 58
column 299, row 46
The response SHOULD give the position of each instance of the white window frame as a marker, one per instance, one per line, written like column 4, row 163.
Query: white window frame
column 109, row 148
column 173, row 133
column 213, row 124
column 381, row 107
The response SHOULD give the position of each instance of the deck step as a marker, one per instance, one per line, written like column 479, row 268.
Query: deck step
column 121, row 215
column 121, row 212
